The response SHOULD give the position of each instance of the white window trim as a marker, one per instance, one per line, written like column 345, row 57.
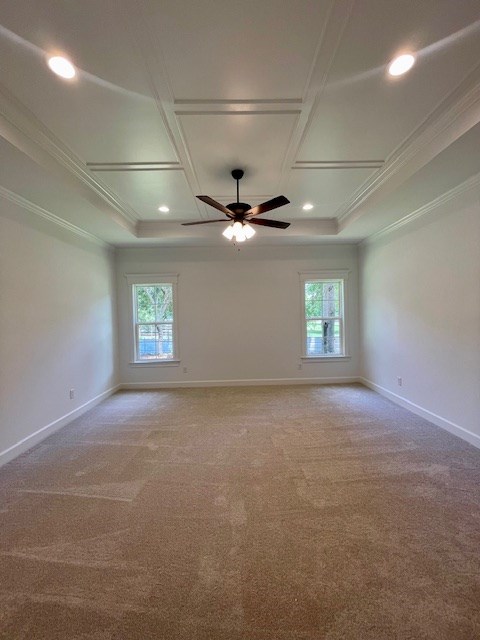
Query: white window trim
column 331, row 274
column 153, row 278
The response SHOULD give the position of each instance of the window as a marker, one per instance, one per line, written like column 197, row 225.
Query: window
column 154, row 318
column 323, row 296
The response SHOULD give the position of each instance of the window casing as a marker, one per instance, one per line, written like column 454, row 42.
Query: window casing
column 154, row 315
column 323, row 315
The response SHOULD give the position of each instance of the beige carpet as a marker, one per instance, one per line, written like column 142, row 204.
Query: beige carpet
column 261, row 513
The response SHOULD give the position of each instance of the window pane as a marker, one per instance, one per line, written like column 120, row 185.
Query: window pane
column 154, row 303
column 323, row 338
column 322, row 299
column 155, row 341
column 164, row 302
column 313, row 299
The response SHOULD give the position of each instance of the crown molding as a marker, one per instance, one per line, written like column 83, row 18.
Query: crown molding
column 453, row 117
column 25, row 131
column 466, row 186
column 51, row 217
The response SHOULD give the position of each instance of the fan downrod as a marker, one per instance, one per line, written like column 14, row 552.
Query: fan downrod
column 238, row 208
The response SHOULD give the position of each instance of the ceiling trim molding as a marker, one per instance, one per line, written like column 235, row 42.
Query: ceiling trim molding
column 338, row 164
column 171, row 109
column 26, row 132
column 134, row 166
column 239, row 112
column 245, row 196
column 328, row 44
column 464, row 187
column 221, row 101
column 241, row 107
column 22, row 202
column 453, row 117
column 150, row 50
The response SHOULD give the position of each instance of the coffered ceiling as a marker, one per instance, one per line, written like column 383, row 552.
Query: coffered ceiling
column 171, row 95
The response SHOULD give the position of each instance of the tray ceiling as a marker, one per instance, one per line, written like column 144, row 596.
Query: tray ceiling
column 170, row 96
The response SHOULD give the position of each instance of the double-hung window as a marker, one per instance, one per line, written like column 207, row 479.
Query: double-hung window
column 323, row 298
column 154, row 318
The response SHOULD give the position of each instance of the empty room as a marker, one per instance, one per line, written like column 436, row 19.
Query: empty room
column 239, row 320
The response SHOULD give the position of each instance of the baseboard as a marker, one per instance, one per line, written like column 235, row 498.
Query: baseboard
column 39, row 435
column 263, row 382
column 453, row 428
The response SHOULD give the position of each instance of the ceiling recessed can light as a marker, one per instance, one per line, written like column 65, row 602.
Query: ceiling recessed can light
column 401, row 65
column 62, row 67
column 307, row 206
column 164, row 209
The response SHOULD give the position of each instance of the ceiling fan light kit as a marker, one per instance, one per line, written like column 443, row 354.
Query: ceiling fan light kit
column 242, row 215
column 240, row 231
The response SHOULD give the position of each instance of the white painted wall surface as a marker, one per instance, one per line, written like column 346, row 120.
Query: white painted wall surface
column 420, row 292
column 57, row 328
column 239, row 313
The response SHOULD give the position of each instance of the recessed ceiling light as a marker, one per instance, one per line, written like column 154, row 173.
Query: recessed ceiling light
column 163, row 209
column 401, row 65
column 62, row 67
column 307, row 206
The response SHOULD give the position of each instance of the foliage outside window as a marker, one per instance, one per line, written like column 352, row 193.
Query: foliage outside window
column 323, row 318
column 154, row 321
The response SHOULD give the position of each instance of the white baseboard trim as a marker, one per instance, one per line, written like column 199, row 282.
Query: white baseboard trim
column 263, row 382
column 453, row 428
column 34, row 438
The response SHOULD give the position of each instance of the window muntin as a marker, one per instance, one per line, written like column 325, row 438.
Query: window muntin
column 323, row 317
column 154, row 322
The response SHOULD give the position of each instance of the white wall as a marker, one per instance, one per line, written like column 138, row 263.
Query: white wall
column 420, row 292
column 57, row 328
column 239, row 312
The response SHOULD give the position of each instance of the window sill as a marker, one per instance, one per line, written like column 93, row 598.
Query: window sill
column 325, row 358
column 155, row 363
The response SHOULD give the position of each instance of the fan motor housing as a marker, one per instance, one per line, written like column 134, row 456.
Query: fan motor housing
column 238, row 208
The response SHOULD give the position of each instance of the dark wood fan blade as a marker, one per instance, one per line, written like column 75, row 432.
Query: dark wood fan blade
column 269, row 223
column 186, row 224
column 217, row 205
column 279, row 201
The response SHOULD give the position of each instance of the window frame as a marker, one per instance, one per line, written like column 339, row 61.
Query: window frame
column 336, row 275
column 149, row 280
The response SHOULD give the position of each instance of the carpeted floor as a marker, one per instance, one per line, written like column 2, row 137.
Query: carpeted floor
column 260, row 513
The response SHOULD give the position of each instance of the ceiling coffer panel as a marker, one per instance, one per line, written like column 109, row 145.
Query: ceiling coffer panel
column 257, row 143
column 364, row 112
column 325, row 189
column 145, row 191
column 108, row 112
column 230, row 50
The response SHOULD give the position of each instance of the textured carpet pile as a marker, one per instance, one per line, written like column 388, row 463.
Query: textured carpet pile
column 260, row 513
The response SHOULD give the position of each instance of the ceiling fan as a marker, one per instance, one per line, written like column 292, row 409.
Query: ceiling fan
column 242, row 214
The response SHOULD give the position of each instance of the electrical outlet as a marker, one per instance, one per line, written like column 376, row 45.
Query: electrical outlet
column 299, row 367
column 72, row 394
column 400, row 381
column 185, row 370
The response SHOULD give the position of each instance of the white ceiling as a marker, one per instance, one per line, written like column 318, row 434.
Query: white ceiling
column 172, row 95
